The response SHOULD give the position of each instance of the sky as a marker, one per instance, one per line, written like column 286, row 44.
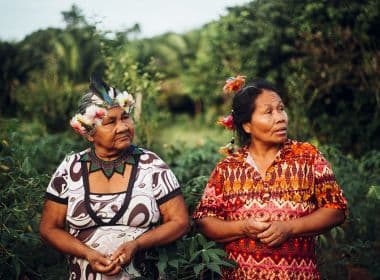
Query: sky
column 19, row 18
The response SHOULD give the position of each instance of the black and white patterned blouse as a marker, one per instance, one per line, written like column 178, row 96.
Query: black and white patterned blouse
column 105, row 221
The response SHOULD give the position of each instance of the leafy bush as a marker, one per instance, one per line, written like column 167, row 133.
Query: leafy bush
column 192, row 257
column 27, row 159
column 356, row 243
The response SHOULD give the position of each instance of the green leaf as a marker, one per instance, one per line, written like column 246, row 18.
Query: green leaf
column 192, row 246
column 219, row 252
column 173, row 263
column 202, row 240
column 214, row 267
column 198, row 268
column 374, row 192
column 209, row 245
column 194, row 256
column 323, row 240
column 224, row 263
column 26, row 167
column 213, row 255
column 205, row 256
column 161, row 265
column 162, row 260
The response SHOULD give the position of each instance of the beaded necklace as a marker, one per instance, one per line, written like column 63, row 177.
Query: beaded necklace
column 128, row 156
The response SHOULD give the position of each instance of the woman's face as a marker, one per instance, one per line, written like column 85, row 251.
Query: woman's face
column 115, row 133
column 269, row 120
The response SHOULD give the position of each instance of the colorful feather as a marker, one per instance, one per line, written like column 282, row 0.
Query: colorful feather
column 100, row 88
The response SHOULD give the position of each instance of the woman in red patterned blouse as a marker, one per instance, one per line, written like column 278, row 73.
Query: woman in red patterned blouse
column 267, row 201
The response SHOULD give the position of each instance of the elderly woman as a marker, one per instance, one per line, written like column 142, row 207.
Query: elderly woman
column 111, row 195
column 268, row 200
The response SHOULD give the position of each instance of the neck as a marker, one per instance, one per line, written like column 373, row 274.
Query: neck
column 262, row 150
column 105, row 154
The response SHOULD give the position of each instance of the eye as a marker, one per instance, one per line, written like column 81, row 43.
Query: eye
column 108, row 122
column 125, row 117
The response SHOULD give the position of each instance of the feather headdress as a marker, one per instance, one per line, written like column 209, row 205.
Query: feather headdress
column 95, row 104
column 101, row 89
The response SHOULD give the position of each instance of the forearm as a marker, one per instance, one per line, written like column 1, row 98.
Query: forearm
column 317, row 222
column 64, row 242
column 163, row 234
column 219, row 230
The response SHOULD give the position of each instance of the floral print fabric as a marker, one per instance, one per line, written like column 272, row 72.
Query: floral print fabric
column 105, row 221
column 298, row 182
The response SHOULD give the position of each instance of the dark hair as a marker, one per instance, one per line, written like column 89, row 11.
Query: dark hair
column 243, row 105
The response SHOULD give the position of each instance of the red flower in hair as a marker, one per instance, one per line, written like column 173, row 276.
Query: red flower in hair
column 227, row 122
column 234, row 84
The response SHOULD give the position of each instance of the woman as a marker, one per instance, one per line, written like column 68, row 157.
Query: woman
column 267, row 201
column 111, row 195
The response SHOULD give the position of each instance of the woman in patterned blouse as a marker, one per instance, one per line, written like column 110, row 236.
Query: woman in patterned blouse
column 267, row 201
column 111, row 195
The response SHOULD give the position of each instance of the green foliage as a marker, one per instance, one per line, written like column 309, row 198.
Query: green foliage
column 335, row 72
column 192, row 166
column 44, row 73
column 28, row 157
column 192, row 257
column 8, row 69
column 356, row 242
column 125, row 73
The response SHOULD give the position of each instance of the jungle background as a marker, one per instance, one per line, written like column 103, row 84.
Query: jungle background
column 324, row 55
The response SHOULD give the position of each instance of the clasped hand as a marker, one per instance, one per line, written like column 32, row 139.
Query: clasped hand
column 272, row 233
column 112, row 264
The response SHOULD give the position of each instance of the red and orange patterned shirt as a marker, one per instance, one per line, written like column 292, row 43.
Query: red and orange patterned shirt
column 298, row 182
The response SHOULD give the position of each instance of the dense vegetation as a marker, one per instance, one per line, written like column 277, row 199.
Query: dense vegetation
column 324, row 55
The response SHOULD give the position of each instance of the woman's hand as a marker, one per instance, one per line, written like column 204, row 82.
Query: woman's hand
column 253, row 226
column 276, row 234
column 124, row 254
column 102, row 264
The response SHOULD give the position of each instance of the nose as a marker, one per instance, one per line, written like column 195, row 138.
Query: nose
column 122, row 126
column 280, row 116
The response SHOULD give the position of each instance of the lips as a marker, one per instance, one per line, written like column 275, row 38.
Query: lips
column 124, row 137
column 281, row 130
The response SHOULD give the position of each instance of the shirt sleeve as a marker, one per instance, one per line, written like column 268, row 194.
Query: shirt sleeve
column 327, row 191
column 211, row 203
column 57, row 189
column 165, row 183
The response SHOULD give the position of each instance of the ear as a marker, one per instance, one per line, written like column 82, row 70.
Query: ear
column 247, row 127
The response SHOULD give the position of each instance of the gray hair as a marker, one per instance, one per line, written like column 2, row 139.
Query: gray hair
column 84, row 102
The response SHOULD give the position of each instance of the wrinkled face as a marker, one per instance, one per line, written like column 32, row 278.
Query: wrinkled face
column 115, row 132
column 269, row 120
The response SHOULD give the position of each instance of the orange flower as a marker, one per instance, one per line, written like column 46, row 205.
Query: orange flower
column 234, row 84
